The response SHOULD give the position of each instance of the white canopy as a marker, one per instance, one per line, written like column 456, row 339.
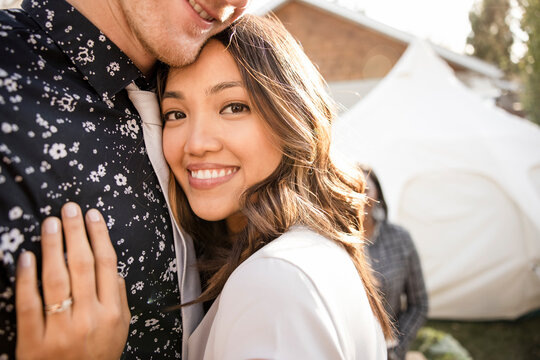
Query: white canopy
column 462, row 176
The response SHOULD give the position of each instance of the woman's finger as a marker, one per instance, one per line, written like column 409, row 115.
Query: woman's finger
column 126, row 315
column 79, row 256
column 28, row 304
column 105, row 258
column 55, row 276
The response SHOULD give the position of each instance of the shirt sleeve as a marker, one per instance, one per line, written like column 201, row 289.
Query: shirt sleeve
column 415, row 314
column 270, row 309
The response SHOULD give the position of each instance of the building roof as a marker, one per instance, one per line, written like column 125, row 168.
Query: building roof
column 467, row 62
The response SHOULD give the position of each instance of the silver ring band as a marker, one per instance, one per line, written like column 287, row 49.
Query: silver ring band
column 59, row 307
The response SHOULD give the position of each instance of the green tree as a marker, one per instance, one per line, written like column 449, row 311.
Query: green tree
column 530, row 64
column 491, row 37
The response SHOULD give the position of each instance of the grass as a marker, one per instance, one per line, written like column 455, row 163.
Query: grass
column 496, row 340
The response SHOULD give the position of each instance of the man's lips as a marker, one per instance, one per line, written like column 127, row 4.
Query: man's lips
column 199, row 10
column 210, row 15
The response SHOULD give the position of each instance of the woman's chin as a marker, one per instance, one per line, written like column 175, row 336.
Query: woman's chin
column 212, row 209
column 207, row 217
column 211, row 214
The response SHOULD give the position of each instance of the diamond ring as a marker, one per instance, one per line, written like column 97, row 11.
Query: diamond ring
column 59, row 307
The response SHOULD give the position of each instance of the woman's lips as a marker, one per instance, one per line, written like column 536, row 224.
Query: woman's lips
column 208, row 178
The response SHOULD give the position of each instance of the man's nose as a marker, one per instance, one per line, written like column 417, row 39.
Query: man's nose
column 230, row 10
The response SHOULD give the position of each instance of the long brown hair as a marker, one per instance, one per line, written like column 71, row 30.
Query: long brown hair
column 306, row 188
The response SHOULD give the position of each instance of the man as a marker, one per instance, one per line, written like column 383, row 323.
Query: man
column 70, row 133
column 397, row 267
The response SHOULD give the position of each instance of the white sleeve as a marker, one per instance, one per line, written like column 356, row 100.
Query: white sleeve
column 270, row 309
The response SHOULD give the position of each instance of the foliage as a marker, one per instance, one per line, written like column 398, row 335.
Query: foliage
column 438, row 345
column 491, row 37
column 530, row 65
column 496, row 340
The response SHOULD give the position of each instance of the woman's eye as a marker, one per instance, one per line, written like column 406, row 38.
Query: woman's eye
column 174, row 115
column 235, row 108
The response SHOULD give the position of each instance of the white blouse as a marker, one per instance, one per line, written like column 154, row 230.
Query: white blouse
column 299, row 297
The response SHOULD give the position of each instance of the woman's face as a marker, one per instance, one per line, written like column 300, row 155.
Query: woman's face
column 214, row 143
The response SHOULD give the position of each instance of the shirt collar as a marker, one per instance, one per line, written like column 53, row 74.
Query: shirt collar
column 104, row 65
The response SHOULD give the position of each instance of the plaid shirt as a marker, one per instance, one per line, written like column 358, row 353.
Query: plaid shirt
column 398, row 270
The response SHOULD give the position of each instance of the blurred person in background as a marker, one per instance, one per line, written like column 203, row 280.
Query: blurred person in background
column 397, row 267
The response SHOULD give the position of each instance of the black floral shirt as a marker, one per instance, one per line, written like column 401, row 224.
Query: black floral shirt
column 68, row 132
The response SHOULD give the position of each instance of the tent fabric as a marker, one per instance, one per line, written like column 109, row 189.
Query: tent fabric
column 462, row 176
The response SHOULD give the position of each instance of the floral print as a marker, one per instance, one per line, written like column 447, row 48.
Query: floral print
column 68, row 132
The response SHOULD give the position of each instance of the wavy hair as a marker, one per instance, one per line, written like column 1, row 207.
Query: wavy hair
column 306, row 188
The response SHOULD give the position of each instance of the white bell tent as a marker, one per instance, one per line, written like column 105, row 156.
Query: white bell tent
column 462, row 176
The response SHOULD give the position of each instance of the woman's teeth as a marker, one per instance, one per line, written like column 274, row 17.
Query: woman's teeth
column 211, row 174
column 200, row 11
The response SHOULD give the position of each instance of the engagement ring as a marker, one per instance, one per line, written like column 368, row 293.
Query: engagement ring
column 59, row 307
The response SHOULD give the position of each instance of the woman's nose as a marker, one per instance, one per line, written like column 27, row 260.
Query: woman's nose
column 202, row 138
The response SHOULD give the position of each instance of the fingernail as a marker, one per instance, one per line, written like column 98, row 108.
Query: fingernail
column 93, row 215
column 25, row 259
column 50, row 225
column 70, row 210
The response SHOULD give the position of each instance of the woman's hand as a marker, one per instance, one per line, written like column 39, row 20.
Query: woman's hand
column 95, row 325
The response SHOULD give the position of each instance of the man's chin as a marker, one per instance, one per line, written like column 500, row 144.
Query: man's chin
column 177, row 58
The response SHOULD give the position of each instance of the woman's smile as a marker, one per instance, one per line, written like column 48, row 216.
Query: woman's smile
column 208, row 176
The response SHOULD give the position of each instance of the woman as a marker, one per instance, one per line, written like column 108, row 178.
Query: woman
column 246, row 135
column 397, row 267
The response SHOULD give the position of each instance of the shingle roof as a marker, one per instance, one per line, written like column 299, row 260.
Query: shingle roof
column 468, row 62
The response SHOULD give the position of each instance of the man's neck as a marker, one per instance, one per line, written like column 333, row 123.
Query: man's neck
column 108, row 17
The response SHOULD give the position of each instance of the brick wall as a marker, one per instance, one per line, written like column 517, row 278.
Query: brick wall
column 342, row 50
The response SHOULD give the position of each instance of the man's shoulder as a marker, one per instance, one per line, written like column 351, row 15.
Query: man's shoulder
column 15, row 20
column 397, row 236
column 396, row 229
column 19, row 35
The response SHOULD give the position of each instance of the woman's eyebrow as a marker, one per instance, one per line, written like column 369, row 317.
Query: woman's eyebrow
column 223, row 85
column 173, row 94
column 213, row 90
